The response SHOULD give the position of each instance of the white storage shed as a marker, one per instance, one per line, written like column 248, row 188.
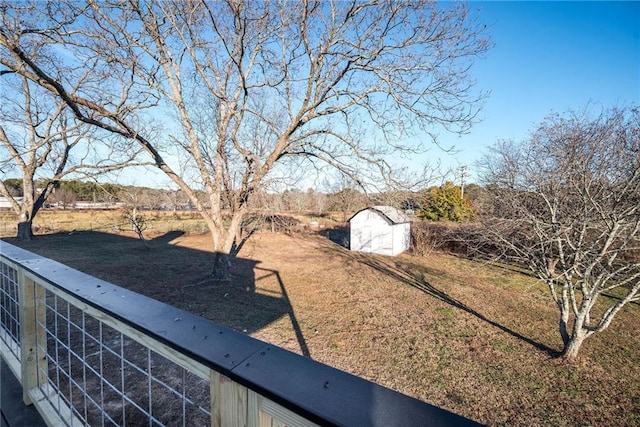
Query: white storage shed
column 380, row 230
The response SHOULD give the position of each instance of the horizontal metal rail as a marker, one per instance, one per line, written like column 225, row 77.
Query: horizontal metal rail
column 88, row 352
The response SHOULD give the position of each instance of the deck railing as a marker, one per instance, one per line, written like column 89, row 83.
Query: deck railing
column 88, row 352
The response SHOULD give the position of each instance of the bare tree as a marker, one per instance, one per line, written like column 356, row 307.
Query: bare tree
column 246, row 91
column 566, row 204
column 138, row 223
column 175, row 200
column 345, row 197
column 133, row 199
column 315, row 201
column 62, row 198
column 43, row 143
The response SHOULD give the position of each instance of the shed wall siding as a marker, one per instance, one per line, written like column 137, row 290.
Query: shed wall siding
column 401, row 238
column 372, row 233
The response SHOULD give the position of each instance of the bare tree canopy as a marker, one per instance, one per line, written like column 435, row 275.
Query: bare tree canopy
column 42, row 142
column 566, row 204
column 235, row 93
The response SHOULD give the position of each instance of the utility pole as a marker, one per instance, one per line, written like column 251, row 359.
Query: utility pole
column 463, row 173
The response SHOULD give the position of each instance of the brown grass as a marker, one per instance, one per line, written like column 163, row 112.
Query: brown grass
column 472, row 338
column 48, row 221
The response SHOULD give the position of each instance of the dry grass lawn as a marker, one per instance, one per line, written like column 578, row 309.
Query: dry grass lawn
column 476, row 339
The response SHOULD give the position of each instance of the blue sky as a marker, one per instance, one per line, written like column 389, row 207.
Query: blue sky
column 549, row 56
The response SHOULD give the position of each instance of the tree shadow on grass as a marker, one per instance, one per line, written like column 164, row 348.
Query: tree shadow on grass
column 168, row 237
column 405, row 274
column 174, row 275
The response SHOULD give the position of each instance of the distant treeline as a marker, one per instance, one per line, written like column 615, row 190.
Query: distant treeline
column 432, row 204
column 82, row 190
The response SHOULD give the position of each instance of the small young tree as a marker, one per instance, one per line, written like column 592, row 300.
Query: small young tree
column 566, row 204
column 138, row 224
column 133, row 199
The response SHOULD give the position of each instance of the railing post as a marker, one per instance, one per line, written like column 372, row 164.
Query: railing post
column 230, row 403
column 40, row 335
column 27, row 310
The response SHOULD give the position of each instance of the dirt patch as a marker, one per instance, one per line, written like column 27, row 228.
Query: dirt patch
column 471, row 338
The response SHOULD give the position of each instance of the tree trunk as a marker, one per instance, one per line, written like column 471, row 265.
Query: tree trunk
column 25, row 231
column 224, row 241
column 563, row 325
column 222, row 255
column 572, row 347
column 221, row 267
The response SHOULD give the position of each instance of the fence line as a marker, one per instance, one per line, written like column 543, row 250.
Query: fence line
column 88, row 352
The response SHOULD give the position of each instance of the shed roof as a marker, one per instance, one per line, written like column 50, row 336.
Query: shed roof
column 394, row 215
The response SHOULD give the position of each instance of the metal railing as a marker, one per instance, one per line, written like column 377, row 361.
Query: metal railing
column 88, row 352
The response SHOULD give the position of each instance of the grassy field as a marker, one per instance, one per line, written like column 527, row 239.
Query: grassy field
column 110, row 221
column 476, row 339
column 48, row 221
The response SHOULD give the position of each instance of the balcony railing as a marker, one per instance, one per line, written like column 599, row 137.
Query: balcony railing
column 88, row 352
